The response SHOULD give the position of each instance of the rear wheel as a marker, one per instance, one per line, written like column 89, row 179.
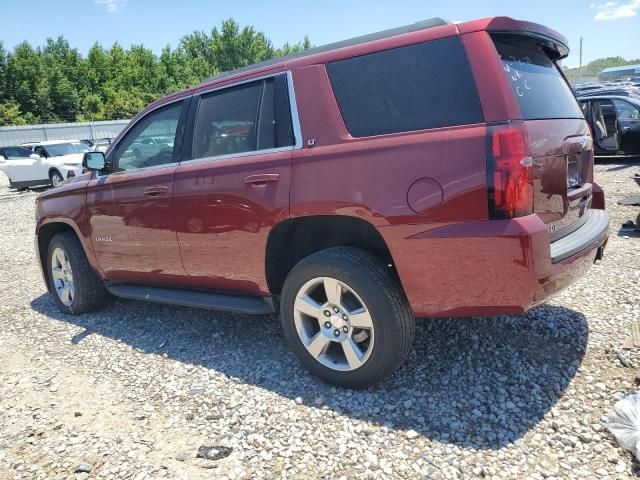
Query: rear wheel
column 346, row 317
column 75, row 286
column 56, row 178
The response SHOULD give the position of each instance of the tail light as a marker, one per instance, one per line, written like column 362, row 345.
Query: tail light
column 509, row 171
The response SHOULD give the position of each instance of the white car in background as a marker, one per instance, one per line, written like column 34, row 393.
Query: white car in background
column 61, row 159
column 15, row 161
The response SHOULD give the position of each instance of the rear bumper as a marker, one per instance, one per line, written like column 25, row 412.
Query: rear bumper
column 592, row 231
column 491, row 267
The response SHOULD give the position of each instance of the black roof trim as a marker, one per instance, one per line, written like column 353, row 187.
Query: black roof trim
column 424, row 24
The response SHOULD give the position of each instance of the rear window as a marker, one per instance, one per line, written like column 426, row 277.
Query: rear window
column 421, row 86
column 537, row 84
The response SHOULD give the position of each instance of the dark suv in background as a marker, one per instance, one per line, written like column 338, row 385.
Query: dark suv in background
column 431, row 170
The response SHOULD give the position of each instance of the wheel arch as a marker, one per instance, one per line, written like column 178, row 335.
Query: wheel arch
column 296, row 238
column 45, row 233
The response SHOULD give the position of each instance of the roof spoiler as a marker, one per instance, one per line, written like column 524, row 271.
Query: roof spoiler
column 555, row 43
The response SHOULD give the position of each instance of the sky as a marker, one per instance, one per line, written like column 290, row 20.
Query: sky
column 609, row 28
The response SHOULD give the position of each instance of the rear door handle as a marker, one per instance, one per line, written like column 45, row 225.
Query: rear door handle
column 261, row 179
column 155, row 191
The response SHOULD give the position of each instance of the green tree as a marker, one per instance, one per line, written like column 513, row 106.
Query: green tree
column 56, row 83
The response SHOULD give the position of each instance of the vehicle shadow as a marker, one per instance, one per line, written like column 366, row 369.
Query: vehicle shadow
column 473, row 382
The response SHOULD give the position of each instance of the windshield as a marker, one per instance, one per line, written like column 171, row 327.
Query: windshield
column 60, row 149
column 538, row 85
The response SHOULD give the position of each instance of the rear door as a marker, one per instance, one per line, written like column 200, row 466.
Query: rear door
column 560, row 140
column 629, row 121
column 131, row 210
column 233, row 185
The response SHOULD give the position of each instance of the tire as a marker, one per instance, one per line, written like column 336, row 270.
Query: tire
column 88, row 291
column 365, row 285
column 55, row 177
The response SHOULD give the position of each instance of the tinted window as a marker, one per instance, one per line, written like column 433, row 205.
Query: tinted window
column 226, row 121
column 16, row 153
column 416, row 87
column 626, row 111
column 539, row 87
column 150, row 142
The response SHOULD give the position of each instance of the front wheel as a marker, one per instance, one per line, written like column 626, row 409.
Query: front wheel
column 346, row 317
column 75, row 286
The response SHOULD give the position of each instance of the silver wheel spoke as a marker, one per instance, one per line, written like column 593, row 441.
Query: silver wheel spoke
column 338, row 336
column 318, row 345
column 352, row 353
column 333, row 289
column 361, row 319
column 65, row 296
column 308, row 306
column 56, row 273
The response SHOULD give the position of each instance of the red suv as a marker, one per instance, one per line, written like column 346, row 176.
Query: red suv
column 431, row 170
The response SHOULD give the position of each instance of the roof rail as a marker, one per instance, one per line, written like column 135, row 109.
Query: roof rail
column 430, row 23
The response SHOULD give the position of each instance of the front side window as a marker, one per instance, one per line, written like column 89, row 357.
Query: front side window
column 41, row 151
column 416, row 87
column 626, row 111
column 138, row 148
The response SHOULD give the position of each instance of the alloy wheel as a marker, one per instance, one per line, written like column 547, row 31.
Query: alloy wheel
column 62, row 276
column 333, row 324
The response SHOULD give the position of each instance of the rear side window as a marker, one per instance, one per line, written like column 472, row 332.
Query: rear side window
column 248, row 117
column 421, row 86
column 538, row 86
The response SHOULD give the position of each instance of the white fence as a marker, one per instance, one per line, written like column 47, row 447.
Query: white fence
column 16, row 135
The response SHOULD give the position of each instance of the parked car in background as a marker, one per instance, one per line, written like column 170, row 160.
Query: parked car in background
column 64, row 160
column 618, row 91
column 18, row 164
column 101, row 144
column 615, row 123
column 432, row 170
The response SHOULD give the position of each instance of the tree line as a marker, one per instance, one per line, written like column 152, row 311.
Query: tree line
column 56, row 83
column 593, row 68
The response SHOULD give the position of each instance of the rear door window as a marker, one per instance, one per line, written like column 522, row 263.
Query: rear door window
column 416, row 87
column 249, row 117
column 537, row 84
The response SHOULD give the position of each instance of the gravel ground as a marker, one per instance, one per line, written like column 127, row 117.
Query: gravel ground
column 134, row 390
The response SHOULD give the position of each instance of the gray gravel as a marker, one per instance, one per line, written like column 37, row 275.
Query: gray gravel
column 135, row 390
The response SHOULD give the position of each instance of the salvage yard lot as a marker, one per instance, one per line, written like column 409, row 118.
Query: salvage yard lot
column 134, row 390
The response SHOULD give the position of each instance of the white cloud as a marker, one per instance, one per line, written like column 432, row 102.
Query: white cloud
column 111, row 6
column 614, row 10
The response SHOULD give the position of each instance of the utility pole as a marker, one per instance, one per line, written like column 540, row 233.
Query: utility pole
column 580, row 69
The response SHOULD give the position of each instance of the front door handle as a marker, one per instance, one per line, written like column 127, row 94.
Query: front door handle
column 155, row 191
column 261, row 179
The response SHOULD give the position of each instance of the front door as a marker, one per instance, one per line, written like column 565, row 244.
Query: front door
column 131, row 209
column 629, row 120
column 235, row 186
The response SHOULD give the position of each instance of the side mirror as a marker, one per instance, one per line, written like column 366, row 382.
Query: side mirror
column 94, row 161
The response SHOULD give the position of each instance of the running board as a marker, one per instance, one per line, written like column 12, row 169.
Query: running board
column 194, row 298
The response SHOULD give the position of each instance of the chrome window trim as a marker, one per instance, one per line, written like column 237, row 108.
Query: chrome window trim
column 141, row 169
column 293, row 109
column 249, row 153
column 295, row 123
column 295, row 119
